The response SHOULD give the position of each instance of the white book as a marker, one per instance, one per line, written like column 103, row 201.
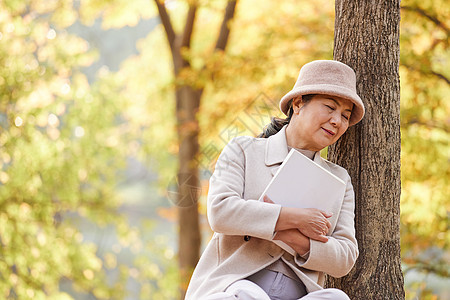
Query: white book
column 300, row 182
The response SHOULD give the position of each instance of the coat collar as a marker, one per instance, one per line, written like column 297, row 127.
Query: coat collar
column 277, row 150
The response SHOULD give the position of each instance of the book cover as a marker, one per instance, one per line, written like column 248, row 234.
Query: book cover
column 300, row 182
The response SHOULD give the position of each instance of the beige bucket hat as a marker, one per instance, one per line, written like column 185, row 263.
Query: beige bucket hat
column 328, row 77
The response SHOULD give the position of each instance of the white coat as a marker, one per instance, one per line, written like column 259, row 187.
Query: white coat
column 244, row 226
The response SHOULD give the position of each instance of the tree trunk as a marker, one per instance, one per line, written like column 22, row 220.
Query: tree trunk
column 367, row 39
column 189, row 239
column 187, row 106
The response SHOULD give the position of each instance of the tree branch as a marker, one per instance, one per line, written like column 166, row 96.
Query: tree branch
column 222, row 40
column 165, row 20
column 189, row 26
column 423, row 13
column 430, row 71
column 441, row 76
column 428, row 124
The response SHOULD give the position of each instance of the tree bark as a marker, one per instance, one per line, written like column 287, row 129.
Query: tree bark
column 367, row 39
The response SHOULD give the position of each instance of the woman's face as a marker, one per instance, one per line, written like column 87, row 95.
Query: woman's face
column 319, row 122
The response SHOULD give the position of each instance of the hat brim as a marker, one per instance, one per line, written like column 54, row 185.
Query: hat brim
column 327, row 89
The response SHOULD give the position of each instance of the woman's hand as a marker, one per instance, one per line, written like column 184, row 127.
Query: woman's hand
column 311, row 222
column 295, row 239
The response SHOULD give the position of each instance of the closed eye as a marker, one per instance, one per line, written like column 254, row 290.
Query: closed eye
column 345, row 117
column 332, row 108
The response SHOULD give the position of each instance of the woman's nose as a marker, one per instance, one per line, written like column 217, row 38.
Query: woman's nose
column 336, row 119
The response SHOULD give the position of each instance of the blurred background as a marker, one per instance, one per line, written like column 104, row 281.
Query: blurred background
column 88, row 139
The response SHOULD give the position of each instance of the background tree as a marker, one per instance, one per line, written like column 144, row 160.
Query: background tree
column 371, row 149
column 188, row 99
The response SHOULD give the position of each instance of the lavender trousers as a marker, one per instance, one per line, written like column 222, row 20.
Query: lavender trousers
column 274, row 286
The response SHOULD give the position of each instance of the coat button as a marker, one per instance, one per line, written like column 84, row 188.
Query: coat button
column 247, row 238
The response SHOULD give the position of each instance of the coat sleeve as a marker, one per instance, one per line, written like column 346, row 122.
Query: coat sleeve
column 337, row 256
column 228, row 212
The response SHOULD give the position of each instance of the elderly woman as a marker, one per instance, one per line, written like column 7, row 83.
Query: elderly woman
column 241, row 261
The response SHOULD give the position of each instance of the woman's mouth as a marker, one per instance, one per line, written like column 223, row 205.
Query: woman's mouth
column 331, row 133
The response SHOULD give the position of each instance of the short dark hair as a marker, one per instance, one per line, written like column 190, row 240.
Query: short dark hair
column 277, row 123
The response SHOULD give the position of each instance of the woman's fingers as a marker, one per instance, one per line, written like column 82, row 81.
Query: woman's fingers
column 321, row 238
column 311, row 222
column 267, row 199
column 316, row 227
column 316, row 234
column 320, row 219
column 326, row 214
column 294, row 238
